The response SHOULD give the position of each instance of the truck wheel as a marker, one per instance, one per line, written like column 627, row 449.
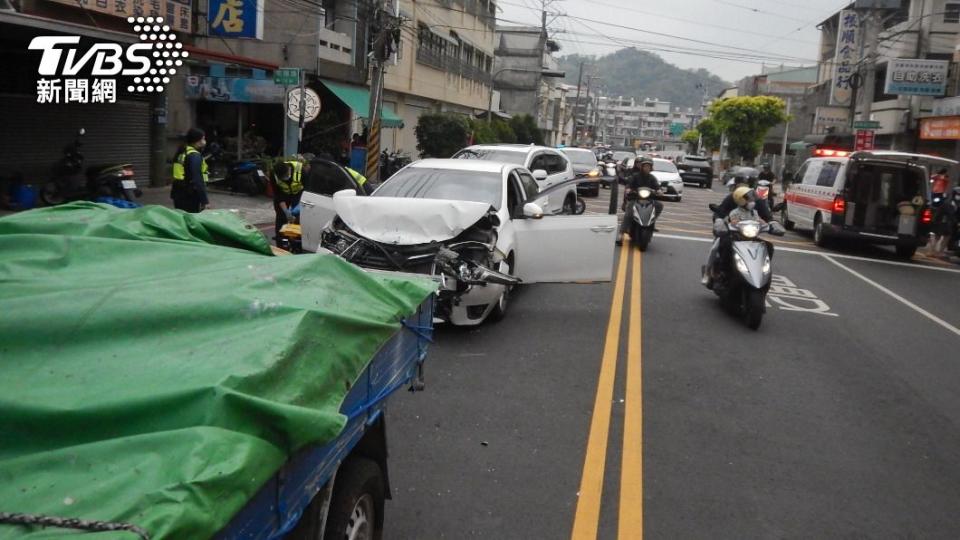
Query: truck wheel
column 356, row 509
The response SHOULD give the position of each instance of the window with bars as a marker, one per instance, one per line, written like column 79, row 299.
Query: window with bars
column 951, row 12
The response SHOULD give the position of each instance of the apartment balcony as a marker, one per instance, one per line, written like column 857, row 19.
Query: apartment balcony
column 335, row 47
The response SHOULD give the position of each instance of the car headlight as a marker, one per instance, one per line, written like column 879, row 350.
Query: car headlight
column 741, row 265
column 644, row 193
column 750, row 230
column 593, row 174
column 766, row 265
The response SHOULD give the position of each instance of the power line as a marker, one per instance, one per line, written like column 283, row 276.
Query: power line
column 758, row 11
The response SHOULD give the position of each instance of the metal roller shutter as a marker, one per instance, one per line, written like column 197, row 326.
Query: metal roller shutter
column 33, row 135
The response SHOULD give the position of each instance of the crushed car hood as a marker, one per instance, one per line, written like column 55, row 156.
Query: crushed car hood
column 405, row 221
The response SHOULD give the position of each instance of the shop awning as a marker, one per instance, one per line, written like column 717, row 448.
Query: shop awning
column 799, row 145
column 358, row 99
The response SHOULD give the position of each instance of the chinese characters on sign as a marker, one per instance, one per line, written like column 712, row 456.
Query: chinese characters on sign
column 236, row 18
column 865, row 140
column 831, row 117
column 845, row 61
column 175, row 12
column 940, row 128
column 916, row 77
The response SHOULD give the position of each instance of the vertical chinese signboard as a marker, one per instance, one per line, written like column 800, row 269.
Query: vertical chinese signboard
column 864, row 140
column 845, row 61
column 236, row 18
column 175, row 13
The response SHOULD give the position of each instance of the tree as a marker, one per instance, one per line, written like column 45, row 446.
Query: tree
column 440, row 135
column 691, row 137
column 525, row 128
column 711, row 134
column 746, row 120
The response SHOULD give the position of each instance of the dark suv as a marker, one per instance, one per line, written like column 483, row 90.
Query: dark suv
column 696, row 170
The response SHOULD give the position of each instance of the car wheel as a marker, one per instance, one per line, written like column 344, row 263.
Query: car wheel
column 819, row 232
column 500, row 309
column 785, row 218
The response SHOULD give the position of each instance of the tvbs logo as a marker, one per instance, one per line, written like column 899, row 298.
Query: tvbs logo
column 89, row 76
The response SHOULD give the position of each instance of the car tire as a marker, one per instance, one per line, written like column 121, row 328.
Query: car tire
column 819, row 232
column 906, row 252
column 357, row 502
column 785, row 218
column 499, row 312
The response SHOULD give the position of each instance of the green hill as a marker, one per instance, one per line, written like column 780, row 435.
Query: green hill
column 640, row 74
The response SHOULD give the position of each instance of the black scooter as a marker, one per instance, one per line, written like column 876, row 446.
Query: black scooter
column 643, row 218
column 70, row 184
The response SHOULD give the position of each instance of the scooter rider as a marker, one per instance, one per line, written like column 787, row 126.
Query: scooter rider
column 742, row 204
column 638, row 177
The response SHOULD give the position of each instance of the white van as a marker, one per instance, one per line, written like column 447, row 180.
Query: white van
column 877, row 197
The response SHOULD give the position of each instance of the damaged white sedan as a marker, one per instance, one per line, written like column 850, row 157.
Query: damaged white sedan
column 474, row 224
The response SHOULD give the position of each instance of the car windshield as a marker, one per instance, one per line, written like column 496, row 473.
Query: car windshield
column 696, row 159
column 493, row 154
column 582, row 157
column 664, row 166
column 619, row 156
column 746, row 171
column 445, row 184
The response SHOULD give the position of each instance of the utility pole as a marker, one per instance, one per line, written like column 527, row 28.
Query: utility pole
column 783, row 148
column 576, row 107
column 385, row 25
column 871, row 38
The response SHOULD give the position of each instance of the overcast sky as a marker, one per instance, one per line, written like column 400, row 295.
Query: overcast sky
column 752, row 31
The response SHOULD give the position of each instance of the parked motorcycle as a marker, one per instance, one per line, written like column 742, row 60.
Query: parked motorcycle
column 642, row 218
column 102, row 181
column 745, row 268
column 391, row 162
column 243, row 176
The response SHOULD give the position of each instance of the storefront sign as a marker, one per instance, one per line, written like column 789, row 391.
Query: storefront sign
column 916, row 77
column 946, row 107
column 864, row 140
column 940, row 129
column 232, row 89
column 176, row 13
column 845, row 61
column 837, row 118
column 236, row 18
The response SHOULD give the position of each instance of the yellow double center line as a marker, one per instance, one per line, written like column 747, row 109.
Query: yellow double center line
column 587, row 519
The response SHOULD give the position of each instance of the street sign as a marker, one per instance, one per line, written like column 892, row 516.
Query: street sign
column 311, row 104
column 287, row 76
column 864, row 140
column 866, row 124
column 910, row 77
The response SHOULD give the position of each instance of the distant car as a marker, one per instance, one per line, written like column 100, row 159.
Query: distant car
column 548, row 165
column 475, row 225
column 671, row 184
column 585, row 166
column 696, row 170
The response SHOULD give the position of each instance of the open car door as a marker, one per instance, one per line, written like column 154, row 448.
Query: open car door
column 565, row 248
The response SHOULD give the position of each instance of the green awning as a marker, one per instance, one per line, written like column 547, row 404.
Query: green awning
column 799, row 145
column 358, row 99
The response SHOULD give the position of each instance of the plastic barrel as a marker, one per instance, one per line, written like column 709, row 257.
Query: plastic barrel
column 25, row 196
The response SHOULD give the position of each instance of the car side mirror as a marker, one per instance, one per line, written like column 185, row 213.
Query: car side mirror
column 540, row 175
column 532, row 211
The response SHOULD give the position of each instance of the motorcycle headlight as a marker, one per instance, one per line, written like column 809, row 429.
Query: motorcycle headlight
column 741, row 265
column 766, row 265
column 644, row 193
column 750, row 230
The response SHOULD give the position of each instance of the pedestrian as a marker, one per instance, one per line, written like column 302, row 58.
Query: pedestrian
column 944, row 223
column 357, row 141
column 287, row 189
column 190, row 174
column 940, row 184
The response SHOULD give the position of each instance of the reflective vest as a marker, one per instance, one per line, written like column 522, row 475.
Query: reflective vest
column 295, row 184
column 361, row 179
column 180, row 172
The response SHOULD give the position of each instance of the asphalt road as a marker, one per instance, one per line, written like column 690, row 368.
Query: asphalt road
column 840, row 417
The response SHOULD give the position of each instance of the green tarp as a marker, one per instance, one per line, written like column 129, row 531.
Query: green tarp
column 156, row 367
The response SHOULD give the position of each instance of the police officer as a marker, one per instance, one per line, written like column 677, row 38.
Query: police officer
column 288, row 187
column 190, row 174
